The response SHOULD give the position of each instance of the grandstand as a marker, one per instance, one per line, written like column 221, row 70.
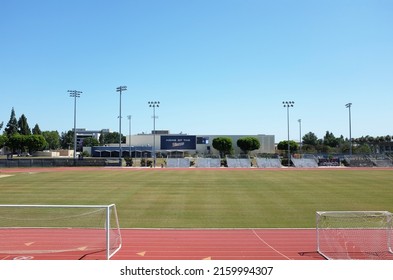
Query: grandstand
column 327, row 161
column 305, row 162
column 381, row 160
column 178, row 162
column 358, row 161
column 241, row 162
column 268, row 162
column 208, row 162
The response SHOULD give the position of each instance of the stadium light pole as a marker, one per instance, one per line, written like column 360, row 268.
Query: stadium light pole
column 74, row 94
column 348, row 105
column 288, row 104
column 300, row 134
column 120, row 90
column 154, row 104
column 129, row 134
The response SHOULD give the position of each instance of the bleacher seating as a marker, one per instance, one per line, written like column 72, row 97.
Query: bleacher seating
column 304, row 162
column 238, row 162
column 329, row 162
column 208, row 162
column 268, row 162
column 381, row 160
column 178, row 162
column 358, row 161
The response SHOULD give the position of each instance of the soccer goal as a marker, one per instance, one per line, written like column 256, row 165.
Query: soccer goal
column 59, row 231
column 355, row 234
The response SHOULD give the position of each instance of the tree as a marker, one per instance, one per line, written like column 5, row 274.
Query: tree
column 12, row 125
column 22, row 143
column 310, row 149
column 90, row 142
column 111, row 138
column 3, row 140
column 344, row 147
column 283, row 145
column 34, row 143
column 15, row 142
column 23, row 126
column 223, row 145
column 363, row 149
column 67, row 139
column 101, row 139
column 52, row 139
column 330, row 140
column 247, row 144
column 310, row 139
column 36, row 130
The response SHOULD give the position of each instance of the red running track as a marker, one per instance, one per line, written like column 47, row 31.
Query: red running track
column 218, row 244
column 190, row 244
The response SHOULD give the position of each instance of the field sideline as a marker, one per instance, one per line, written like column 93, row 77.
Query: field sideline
column 204, row 198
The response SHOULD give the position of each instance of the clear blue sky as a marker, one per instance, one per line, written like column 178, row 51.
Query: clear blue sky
column 216, row 66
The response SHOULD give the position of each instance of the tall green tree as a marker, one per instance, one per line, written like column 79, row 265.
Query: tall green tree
column 23, row 143
column 52, row 139
column 111, row 138
column 12, row 125
column 90, row 142
column 36, row 130
column 15, row 143
column 3, row 140
column 310, row 139
column 35, row 143
column 330, row 140
column 362, row 149
column 223, row 145
column 23, row 126
column 247, row 144
column 283, row 145
column 67, row 139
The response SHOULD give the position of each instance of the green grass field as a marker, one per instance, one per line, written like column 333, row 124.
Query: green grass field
column 251, row 198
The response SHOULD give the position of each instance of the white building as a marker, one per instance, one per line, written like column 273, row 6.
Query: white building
column 164, row 142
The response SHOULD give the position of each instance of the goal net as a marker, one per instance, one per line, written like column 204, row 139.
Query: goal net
column 355, row 234
column 59, row 231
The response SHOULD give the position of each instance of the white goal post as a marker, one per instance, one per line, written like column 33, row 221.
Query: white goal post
column 60, row 229
column 355, row 234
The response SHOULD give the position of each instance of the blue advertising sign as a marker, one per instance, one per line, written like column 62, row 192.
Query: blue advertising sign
column 178, row 142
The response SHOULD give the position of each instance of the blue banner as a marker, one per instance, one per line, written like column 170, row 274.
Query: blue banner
column 178, row 142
